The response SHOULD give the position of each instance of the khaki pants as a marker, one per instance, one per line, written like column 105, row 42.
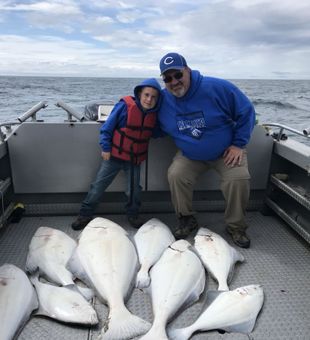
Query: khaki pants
column 235, row 186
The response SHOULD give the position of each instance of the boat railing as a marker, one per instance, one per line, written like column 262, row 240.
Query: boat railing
column 32, row 113
column 306, row 132
column 279, row 136
column 71, row 112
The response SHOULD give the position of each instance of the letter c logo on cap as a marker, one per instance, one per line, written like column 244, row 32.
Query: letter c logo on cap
column 168, row 61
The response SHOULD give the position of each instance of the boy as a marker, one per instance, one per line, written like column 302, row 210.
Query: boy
column 124, row 139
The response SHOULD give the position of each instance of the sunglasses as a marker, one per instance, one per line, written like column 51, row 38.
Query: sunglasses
column 177, row 76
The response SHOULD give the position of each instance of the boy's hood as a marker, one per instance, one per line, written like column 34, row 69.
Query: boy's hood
column 150, row 82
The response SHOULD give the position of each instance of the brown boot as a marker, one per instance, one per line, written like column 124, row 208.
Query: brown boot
column 81, row 222
column 187, row 224
column 239, row 237
column 135, row 221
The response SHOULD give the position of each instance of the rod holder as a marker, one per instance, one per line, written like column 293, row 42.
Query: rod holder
column 306, row 132
column 70, row 111
column 32, row 112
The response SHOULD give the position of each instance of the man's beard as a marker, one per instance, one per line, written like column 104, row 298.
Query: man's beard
column 179, row 91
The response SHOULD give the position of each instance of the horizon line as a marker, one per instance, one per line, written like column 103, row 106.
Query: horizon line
column 132, row 77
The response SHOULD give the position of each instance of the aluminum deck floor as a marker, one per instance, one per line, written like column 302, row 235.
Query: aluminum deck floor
column 278, row 259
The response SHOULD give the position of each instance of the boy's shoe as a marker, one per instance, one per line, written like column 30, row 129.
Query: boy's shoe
column 187, row 224
column 135, row 221
column 81, row 222
column 239, row 237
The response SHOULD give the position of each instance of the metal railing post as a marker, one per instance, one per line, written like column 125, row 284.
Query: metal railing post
column 70, row 111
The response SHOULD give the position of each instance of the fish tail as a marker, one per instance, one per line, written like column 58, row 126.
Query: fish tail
column 223, row 286
column 143, row 278
column 123, row 325
column 87, row 293
column 180, row 333
column 156, row 332
column 239, row 257
column 34, row 277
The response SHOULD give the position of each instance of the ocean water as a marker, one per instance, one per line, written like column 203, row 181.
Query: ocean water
column 275, row 101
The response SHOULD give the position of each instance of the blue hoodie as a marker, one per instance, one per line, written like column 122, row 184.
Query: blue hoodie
column 211, row 116
column 118, row 116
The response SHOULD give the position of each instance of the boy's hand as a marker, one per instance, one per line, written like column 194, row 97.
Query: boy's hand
column 105, row 155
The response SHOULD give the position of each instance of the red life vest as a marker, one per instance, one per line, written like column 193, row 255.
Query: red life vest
column 130, row 143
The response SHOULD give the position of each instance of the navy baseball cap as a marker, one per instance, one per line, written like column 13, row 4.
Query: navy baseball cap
column 172, row 61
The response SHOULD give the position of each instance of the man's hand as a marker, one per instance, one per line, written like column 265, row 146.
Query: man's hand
column 233, row 156
column 105, row 155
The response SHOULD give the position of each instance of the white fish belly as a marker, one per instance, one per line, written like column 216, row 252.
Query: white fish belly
column 151, row 240
column 49, row 250
column 17, row 300
column 231, row 309
column 110, row 261
column 109, row 258
column 178, row 278
column 64, row 304
column 217, row 256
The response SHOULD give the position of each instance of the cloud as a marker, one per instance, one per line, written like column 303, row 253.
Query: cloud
column 225, row 22
column 231, row 39
column 239, row 37
column 47, row 55
column 128, row 17
column 112, row 4
column 57, row 15
column 44, row 7
column 104, row 20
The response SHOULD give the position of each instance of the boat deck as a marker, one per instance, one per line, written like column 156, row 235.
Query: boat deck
column 278, row 259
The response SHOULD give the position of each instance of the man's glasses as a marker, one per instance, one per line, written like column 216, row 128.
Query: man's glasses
column 177, row 76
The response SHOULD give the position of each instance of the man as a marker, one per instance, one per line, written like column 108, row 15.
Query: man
column 211, row 121
column 124, row 139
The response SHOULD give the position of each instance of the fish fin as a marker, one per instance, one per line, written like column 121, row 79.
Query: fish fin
column 73, row 288
column 147, row 290
column 35, row 300
column 40, row 312
column 179, row 333
column 88, row 293
column 211, row 296
column 123, row 325
column 244, row 327
column 34, row 277
column 237, row 256
column 223, row 286
column 30, row 266
column 143, row 279
column 155, row 333
column 196, row 292
column 75, row 267
column 229, row 279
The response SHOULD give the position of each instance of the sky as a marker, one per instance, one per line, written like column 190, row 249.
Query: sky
column 233, row 39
